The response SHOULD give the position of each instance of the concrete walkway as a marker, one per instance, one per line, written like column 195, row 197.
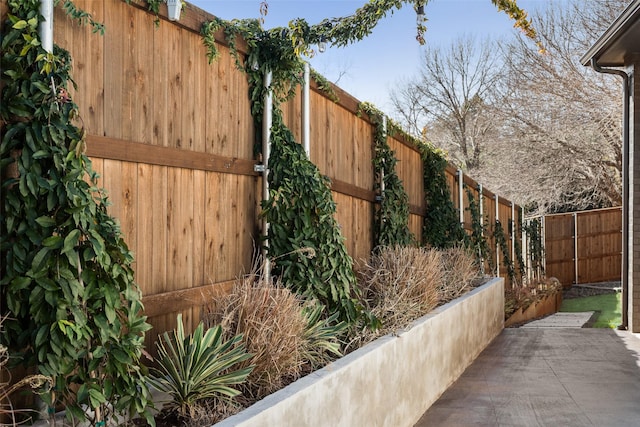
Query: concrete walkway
column 547, row 376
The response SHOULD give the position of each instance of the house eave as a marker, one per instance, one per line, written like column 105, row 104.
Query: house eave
column 618, row 40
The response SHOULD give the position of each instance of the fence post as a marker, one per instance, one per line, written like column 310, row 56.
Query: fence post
column 305, row 112
column 513, row 234
column 524, row 243
column 266, row 150
column 543, row 242
column 497, row 243
column 460, row 197
column 575, row 247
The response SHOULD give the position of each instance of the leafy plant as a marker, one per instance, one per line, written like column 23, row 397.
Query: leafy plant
column 391, row 224
column 67, row 286
column 507, row 262
column 477, row 241
column 198, row 367
column 442, row 228
column 533, row 228
column 321, row 343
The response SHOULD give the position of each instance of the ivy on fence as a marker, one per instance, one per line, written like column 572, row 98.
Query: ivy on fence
column 391, row 223
column 73, row 309
column 304, row 239
column 442, row 229
column 478, row 239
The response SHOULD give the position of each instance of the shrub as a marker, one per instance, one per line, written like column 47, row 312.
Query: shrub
column 198, row 367
column 398, row 285
column 460, row 270
column 287, row 339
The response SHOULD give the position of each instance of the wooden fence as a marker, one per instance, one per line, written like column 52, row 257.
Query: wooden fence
column 584, row 247
column 172, row 138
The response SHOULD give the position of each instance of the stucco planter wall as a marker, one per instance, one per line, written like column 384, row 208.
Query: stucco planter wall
column 393, row 380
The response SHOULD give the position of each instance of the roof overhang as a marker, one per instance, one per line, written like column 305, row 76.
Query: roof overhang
column 621, row 38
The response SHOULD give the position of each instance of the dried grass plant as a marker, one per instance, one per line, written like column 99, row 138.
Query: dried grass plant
column 272, row 325
column 398, row 284
column 37, row 383
column 461, row 271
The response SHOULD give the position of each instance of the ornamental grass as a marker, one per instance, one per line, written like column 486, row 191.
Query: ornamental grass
column 269, row 318
column 398, row 285
column 288, row 337
column 461, row 273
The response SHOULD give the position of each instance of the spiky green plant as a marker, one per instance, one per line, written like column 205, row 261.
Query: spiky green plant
column 198, row 367
column 321, row 336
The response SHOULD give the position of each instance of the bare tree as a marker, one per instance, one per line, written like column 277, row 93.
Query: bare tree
column 449, row 101
column 560, row 134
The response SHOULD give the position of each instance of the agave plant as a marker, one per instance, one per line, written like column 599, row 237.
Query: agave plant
column 197, row 367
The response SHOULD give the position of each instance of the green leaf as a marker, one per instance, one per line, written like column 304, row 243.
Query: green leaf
column 38, row 261
column 20, row 25
column 45, row 221
column 52, row 242
column 71, row 241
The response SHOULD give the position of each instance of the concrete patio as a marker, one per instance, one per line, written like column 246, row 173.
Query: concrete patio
column 547, row 376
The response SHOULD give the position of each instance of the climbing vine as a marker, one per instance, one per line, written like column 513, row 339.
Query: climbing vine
column 441, row 226
column 533, row 228
column 73, row 309
column 501, row 241
column 391, row 222
column 304, row 239
column 477, row 241
column 517, row 246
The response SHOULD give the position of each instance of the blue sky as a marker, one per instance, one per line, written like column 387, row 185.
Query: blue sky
column 371, row 68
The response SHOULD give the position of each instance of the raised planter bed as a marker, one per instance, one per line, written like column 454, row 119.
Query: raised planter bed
column 548, row 304
column 393, row 380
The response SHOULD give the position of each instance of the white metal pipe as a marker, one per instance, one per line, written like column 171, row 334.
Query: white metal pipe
column 45, row 28
column 543, row 242
column 575, row 246
column 497, row 243
column 306, row 143
column 460, row 197
column 513, row 234
column 267, row 118
column 481, row 201
column 525, row 248
column 384, row 131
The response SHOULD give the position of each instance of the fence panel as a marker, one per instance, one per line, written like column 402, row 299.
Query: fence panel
column 597, row 236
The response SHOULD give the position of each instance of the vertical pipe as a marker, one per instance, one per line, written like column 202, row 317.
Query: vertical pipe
column 497, row 243
column 525, row 248
column 306, row 143
column 481, row 201
column 45, row 28
column 481, row 211
column 266, row 150
column 543, row 243
column 575, row 247
column 384, row 131
column 460, row 198
column 627, row 251
column 513, row 234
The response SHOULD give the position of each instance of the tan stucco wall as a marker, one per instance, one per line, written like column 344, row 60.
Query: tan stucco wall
column 394, row 380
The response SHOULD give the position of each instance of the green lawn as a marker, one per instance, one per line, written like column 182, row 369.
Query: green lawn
column 608, row 306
